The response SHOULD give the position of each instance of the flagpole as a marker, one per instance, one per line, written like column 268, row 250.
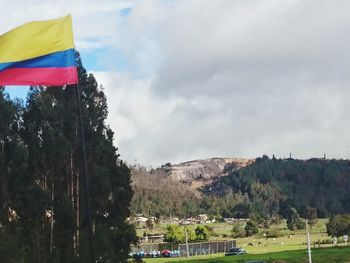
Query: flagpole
column 86, row 179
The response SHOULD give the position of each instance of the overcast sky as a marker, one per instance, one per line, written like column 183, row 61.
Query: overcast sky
column 189, row 79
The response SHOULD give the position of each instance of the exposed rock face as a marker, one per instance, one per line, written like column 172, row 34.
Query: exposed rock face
column 204, row 170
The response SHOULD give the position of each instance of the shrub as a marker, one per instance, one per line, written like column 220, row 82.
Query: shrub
column 251, row 228
column 202, row 233
column 300, row 224
column 174, row 234
column 274, row 233
column 238, row 231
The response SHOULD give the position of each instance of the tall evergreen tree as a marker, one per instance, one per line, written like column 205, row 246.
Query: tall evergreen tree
column 293, row 219
column 41, row 179
column 13, row 179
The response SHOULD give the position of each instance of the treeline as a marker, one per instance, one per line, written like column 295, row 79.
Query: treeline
column 272, row 186
column 43, row 217
column 266, row 189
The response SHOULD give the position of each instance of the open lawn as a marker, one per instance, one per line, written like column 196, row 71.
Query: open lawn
column 224, row 229
column 257, row 243
column 288, row 246
column 320, row 255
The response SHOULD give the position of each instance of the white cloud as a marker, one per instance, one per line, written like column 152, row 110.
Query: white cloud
column 92, row 20
column 249, row 77
column 217, row 78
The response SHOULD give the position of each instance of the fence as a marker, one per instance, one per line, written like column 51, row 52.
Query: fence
column 194, row 249
column 150, row 247
column 206, row 248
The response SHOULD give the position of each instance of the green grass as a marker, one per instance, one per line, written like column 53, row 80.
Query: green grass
column 321, row 255
column 221, row 229
column 263, row 245
column 258, row 246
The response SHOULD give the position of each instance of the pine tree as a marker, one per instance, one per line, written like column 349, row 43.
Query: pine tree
column 41, row 179
column 293, row 219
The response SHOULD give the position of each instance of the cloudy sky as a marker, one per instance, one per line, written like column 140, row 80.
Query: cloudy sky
column 189, row 79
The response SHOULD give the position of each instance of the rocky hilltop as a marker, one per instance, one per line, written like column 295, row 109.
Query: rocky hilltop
column 205, row 170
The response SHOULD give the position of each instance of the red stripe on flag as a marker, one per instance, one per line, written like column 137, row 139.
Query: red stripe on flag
column 39, row 76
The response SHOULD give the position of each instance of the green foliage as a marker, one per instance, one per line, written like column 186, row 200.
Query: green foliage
column 274, row 233
column 293, row 219
column 339, row 225
column 174, row 233
column 9, row 249
column 150, row 223
column 218, row 218
column 270, row 187
column 177, row 234
column 238, row 231
column 202, row 233
column 311, row 216
column 251, row 228
column 275, row 219
column 40, row 177
column 191, row 235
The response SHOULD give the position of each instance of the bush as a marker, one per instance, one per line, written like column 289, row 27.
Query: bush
column 274, row 233
column 324, row 242
column 338, row 225
column 202, row 233
column 276, row 220
column 300, row 224
column 238, row 231
column 174, row 234
column 251, row 228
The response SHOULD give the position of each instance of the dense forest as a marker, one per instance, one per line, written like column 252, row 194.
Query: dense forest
column 268, row 188
column 43, row 216
column 273, row 186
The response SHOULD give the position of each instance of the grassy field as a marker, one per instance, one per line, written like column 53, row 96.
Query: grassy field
column 224, row 229
column 320, row 255
column 259, row 244
column 288, row 246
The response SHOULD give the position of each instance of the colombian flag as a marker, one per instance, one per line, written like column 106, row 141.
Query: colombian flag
column 39, row 53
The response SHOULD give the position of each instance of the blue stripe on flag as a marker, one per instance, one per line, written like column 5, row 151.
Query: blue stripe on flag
column 59, row 59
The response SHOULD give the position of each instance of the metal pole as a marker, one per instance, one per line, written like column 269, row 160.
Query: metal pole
column 308, row 242
column 86, row 179
column 188, row 255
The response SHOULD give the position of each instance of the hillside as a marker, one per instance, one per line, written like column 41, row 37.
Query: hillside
column 239, row 187
column 157, row 194
column 272, row 186
column 175, row 189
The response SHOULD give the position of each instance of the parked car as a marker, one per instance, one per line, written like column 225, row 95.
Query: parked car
column 166, row 253
column 139, row 254
column 175, row 253
column 235, row 251
column 154, row 254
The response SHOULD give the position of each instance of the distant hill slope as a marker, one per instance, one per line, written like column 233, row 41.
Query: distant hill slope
column 175, row 189
column 272, row 186
column 157, row 194
column 241, row 187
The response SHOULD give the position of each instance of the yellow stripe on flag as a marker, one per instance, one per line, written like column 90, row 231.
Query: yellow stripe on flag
column 36, row 39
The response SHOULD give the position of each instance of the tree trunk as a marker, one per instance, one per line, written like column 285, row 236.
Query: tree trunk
column 52, row 211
